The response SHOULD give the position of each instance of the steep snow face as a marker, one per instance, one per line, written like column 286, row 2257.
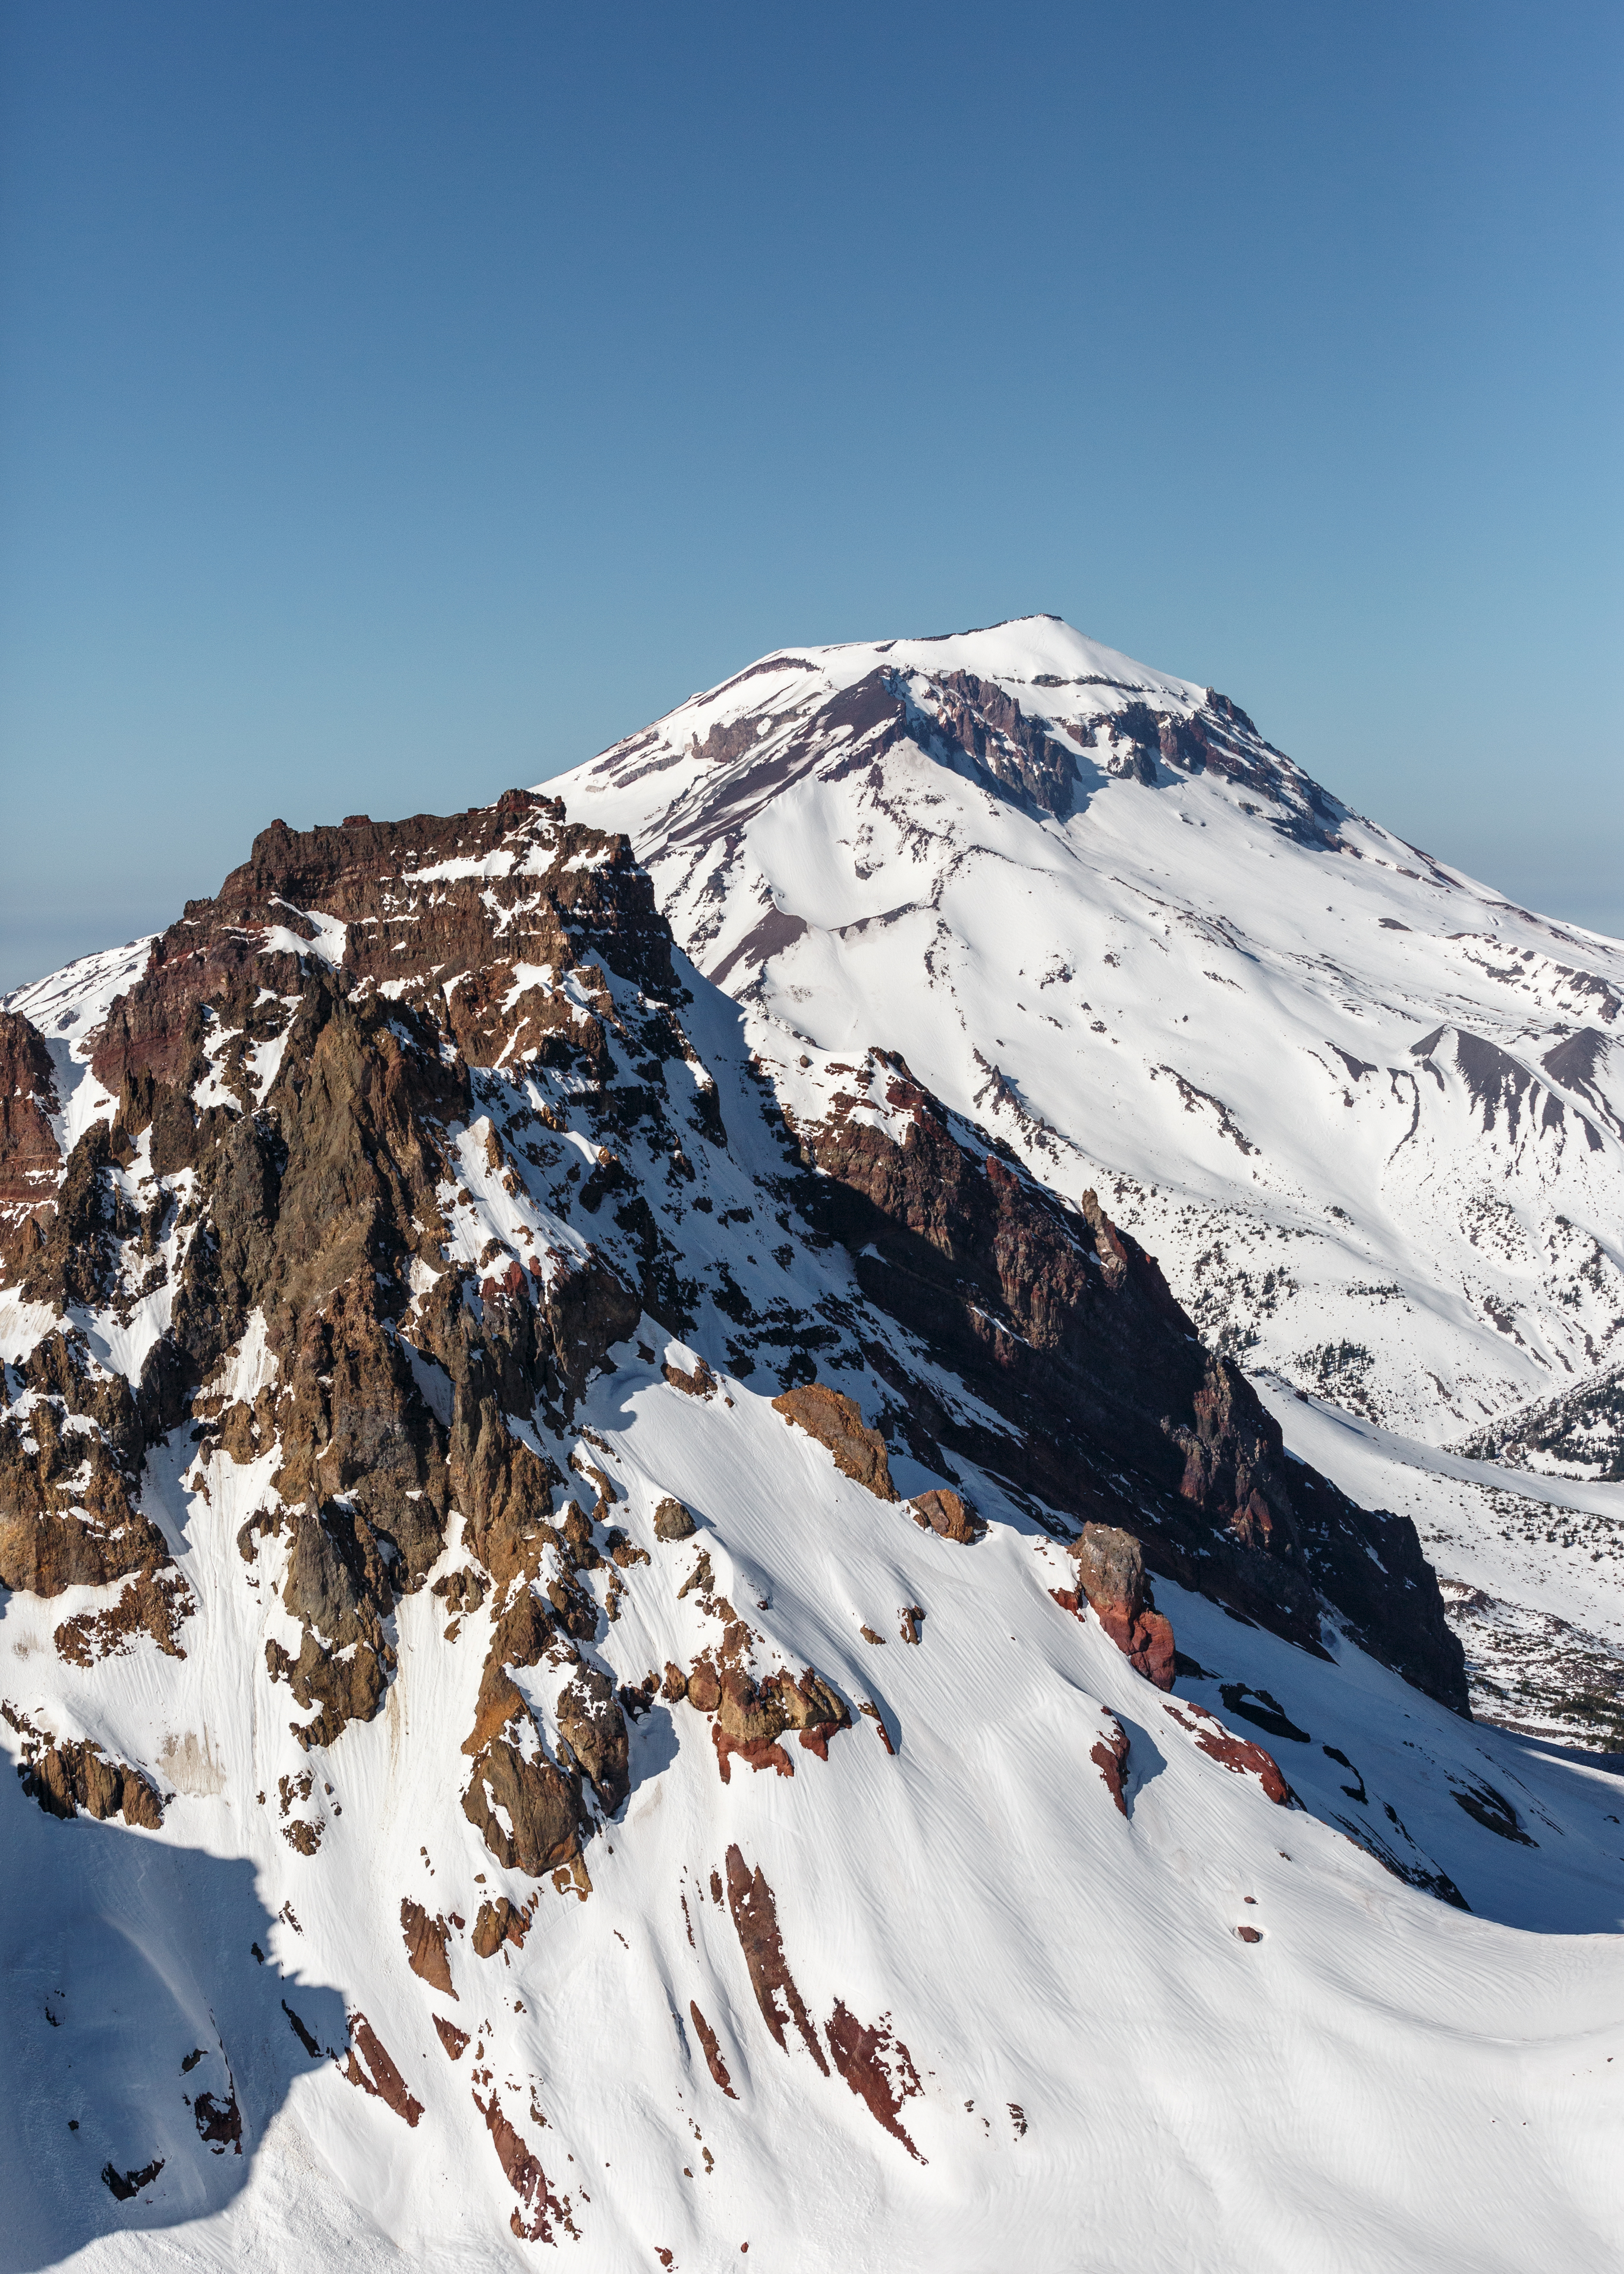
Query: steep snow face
column 1368, row 1115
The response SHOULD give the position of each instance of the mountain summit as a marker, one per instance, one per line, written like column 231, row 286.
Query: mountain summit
column 638, row 1621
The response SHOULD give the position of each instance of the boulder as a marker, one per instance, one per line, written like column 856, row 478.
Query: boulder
column 836, row 1421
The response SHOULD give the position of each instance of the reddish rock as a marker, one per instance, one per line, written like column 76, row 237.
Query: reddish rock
column 755, row 1920
column 714, row 2062
column 1235, row 1753
column 538, row 2206
column 454, row 2040
column 1110, row 1565
column 1109, row 1756
column 878, row 2069
column 836, row 1421
column 760, row 1752
column 368, row 2065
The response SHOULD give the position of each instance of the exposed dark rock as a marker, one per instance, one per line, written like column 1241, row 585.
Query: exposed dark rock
column 70, row 1775
column 672, row 1521
column 836, row 1421
column 540, row 1804
column 591, row 1723
column 30, row 1164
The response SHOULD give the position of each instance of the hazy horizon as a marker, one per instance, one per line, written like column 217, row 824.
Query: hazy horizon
column 399, row 404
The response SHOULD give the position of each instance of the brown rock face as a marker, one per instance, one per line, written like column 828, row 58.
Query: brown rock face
column 70, row 1775
column 1068, row 1330
column 592, row 1724
column 499, row 1923
column 67, row 1512
column 539, row 1803
column 30, row 1165
column 426, row 1940
column 538, row 2206
column 1235, row 1753
column 835, row 1420
column 949, row 1517
column 714, row 2062
column 878, row 2069
column 1111, row 1567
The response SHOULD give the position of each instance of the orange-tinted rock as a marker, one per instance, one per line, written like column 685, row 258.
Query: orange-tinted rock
column 949, row 1517
column 760, row 1752
column 705, row 1688
column 836, row 1421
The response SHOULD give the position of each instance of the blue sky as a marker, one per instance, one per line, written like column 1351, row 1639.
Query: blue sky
column 398, row 401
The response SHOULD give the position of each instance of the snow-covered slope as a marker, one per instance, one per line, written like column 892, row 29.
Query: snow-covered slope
column 1368, row 1115
column 576, row 1643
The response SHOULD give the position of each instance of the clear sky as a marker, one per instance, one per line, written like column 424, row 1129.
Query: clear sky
column 400, row 401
